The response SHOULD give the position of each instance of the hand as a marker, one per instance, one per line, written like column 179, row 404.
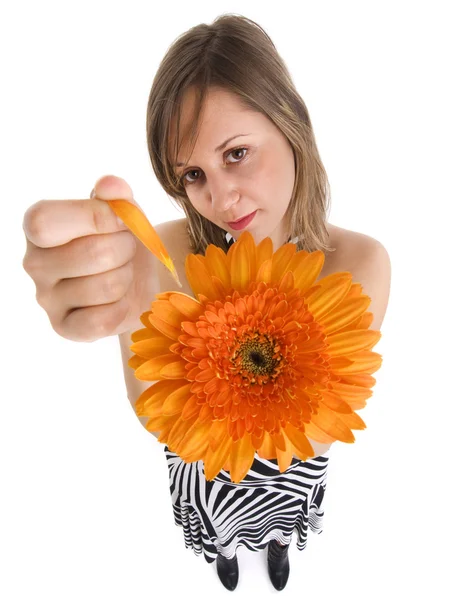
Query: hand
column 93, row 277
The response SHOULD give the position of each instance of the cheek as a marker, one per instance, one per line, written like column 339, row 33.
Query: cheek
column 275, row 176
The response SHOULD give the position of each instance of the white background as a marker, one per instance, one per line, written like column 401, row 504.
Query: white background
column 85, row 502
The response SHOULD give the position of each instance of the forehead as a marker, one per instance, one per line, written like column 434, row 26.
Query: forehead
column 221, row 110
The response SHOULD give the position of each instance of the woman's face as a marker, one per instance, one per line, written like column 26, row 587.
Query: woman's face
column 253, row 172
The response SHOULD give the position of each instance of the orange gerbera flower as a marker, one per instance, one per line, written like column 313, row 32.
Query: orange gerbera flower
column 261, row 358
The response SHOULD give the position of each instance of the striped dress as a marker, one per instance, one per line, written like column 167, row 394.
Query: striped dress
column 218, row 516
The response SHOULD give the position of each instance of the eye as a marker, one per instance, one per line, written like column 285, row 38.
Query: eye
column 187, row 182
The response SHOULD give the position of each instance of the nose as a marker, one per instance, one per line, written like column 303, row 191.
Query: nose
column 223, row 195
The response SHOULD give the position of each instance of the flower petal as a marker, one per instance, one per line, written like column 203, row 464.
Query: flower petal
column 215, row 458
column 216, row 263
column 140, row 226
column 328, row 293
column 344, row 344
column 175, row 402
column 187, row 306
column 150, row 348
column 347, row 312
column 151, row 370
column 328, row 421
column 198, row 276
column 309, row 269
column 299, row 441
column 242, row 455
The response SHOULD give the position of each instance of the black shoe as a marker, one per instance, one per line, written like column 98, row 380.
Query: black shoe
column 228, row 571
column 278, row 563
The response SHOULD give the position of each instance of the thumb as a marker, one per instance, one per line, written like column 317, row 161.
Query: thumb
column 110, row 187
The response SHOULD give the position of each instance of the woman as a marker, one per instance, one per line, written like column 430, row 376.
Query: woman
column 229, row 137
column 225, row 86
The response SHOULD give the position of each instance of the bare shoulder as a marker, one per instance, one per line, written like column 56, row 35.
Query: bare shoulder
column 369, row 263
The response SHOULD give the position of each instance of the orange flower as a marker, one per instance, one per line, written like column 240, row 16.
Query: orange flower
column 261, row 358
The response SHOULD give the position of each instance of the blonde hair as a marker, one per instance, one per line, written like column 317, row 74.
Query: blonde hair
column 236, row 54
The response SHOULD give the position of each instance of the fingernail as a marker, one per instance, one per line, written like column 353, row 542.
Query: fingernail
column 93, row 193
column 120, row 223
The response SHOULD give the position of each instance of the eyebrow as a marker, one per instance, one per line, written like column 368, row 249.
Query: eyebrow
column 222, row 145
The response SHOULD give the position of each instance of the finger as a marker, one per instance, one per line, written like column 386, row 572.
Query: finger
column 81, row 257
column 51, row 223
column 91, row 290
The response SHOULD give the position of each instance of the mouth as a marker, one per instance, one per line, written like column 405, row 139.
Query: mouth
column 242, row 222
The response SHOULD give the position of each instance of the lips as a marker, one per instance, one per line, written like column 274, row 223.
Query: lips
column 241, row 220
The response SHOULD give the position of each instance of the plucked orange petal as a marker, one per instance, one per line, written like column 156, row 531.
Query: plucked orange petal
column 141, row 227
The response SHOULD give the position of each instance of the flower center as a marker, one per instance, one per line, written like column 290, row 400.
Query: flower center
column 257, row 358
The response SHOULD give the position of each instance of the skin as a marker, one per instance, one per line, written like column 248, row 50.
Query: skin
column 252, row 172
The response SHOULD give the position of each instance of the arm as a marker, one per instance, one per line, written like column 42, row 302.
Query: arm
column 173, row 238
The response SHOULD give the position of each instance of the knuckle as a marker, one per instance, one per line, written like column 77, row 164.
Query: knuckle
column 101, row 252
column 113, row 286
column 42, row 298
column 100, row 216
column 31, row 263
column 27, row 263
column 62, row 329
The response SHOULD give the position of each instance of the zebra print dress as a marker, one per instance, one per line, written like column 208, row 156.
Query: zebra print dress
column 218, row 516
